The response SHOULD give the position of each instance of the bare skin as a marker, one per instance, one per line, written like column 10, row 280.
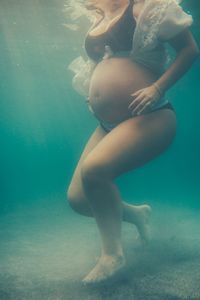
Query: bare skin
column 138, row 215
column 131, row 144
column 92, row 188
column 112, row 83
column 115, row 79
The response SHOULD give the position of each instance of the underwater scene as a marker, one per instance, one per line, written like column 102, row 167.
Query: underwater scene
column 46, row 248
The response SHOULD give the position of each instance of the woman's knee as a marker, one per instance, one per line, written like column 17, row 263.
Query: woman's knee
column 75, row 199
column 93, row 172
column 78, row 202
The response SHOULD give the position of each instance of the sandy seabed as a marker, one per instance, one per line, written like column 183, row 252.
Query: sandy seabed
column 46, row 249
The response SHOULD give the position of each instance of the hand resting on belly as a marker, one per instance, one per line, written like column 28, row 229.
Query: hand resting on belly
column 111, row 86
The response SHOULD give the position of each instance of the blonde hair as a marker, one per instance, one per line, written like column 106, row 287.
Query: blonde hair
column 75, row 9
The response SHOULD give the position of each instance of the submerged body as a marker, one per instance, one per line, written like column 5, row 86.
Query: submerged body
column 125, row 93
column 116, row 77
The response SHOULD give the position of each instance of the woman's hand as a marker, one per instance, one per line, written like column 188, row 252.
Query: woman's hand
column 144, row 99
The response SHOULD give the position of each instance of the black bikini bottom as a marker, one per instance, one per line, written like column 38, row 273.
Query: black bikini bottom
column 109, row 126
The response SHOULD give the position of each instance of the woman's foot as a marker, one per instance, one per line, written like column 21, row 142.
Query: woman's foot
column 141, row 216
column 106, row 268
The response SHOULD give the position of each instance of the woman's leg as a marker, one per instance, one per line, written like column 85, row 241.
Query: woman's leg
column 137, row 215
column 131, row 144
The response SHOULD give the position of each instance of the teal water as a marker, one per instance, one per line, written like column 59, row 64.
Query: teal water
column 44, row 124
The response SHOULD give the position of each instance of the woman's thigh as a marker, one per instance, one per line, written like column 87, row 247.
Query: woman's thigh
column 75, row 189
column 131, row 144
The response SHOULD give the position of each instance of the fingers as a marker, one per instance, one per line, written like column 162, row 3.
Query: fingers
column 140, row 107
column 142, row 100
column 137, row 93
column 145, row 108
column 144, row 105
column 137, row 100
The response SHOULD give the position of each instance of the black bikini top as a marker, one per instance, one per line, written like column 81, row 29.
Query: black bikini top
column 119, row 37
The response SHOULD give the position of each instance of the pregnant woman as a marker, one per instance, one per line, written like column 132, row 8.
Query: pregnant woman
column 126, row 93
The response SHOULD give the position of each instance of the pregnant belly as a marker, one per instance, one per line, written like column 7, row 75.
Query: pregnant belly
column 112, row 83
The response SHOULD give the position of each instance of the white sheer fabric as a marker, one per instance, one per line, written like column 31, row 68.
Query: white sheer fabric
column 159, row 21
column 83, row 72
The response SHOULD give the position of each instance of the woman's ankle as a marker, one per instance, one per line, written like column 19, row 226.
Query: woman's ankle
column 118, row 253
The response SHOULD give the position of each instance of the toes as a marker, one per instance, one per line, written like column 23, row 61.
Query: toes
column 93, row 280
column 103, row 273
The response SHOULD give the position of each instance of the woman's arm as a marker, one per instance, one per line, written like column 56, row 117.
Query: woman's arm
column 187, row 52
